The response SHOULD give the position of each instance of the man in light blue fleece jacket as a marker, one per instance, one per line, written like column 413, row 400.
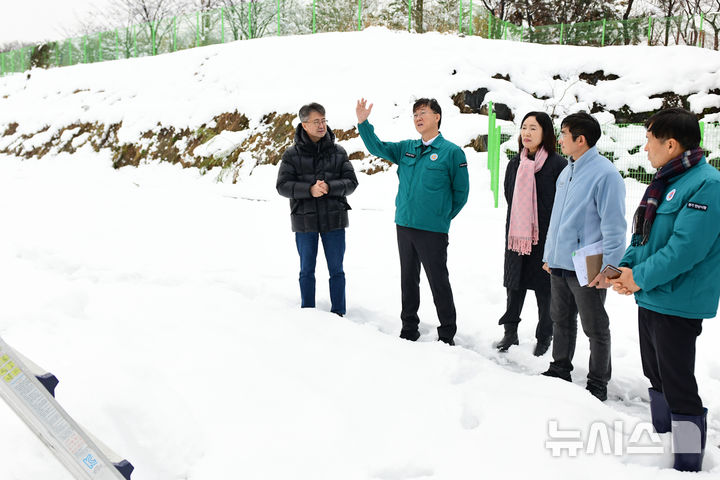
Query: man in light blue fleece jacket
column 589, row 207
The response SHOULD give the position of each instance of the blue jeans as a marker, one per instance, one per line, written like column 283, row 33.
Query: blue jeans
column 334, row 248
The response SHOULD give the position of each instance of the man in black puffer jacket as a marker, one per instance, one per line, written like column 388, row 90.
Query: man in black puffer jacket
column 316, row 175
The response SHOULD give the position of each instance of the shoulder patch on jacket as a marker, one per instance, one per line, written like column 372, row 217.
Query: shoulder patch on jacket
column 697, row 206
column 464, row 164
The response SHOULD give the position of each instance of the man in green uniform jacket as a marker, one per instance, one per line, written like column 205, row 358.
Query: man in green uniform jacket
column 671, row 267
column 433, row 189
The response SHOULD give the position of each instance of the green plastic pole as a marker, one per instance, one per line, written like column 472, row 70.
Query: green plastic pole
column 278, row 18
column 602, row 42
column 222, row 24
column 153, row 28
column 409, row 15
column 702, row 20
column 135, row 41
column 117, row 46
column 314, row 16
column 85, row 59
column 562, row 30
column 460, row 17
column 495, row 147
column 496, row 167
column 69, row 52
column 491, row 131
column 100, row 55
column 470, row 28
column 702, row 133
column 197, row 29
column 649, row 30
column 2, row 64
column 359, row 15
column 505, row 25
column 174, row 34
column 250, row 32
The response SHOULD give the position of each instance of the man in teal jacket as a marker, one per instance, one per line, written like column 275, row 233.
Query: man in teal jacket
column 433, row 189
column 671, row 266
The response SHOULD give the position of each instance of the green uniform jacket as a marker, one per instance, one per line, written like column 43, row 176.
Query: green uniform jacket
column 434, row 185
column 677, row 269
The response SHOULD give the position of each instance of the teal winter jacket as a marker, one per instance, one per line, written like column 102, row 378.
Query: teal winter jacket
column 677, row 269
column 434, row 184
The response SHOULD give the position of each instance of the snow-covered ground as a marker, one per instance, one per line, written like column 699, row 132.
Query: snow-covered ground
column 168, row 304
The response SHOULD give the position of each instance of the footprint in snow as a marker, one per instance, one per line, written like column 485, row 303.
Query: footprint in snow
column 404, row 473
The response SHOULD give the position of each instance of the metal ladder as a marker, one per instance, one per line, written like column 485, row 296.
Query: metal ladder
column 29, row 391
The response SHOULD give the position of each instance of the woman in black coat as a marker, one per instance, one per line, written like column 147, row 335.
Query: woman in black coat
column 528, row 218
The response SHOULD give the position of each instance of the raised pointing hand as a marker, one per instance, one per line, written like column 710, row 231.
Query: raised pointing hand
column 363, row 111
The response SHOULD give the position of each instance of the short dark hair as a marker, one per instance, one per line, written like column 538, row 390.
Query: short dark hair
column 582, row 123
column 305, row 110
column 676, row 123
column 548, row 131
column 429, row 102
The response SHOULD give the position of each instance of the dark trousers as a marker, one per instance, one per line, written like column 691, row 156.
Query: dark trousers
column 334, row 248
column 667, row 350
column 515, row 302
column 568, row 299
column 418, row 247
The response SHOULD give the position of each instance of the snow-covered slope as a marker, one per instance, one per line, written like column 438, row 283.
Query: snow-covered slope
column 168, row 306
column 187, row 88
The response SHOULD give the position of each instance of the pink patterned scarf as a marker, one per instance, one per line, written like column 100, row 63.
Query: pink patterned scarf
column 523, row 232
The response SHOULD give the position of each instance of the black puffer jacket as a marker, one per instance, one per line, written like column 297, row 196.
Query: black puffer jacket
column 525, row 271
column 302, row 165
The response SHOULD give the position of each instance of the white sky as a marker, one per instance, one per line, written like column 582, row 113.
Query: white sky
column 36, row 20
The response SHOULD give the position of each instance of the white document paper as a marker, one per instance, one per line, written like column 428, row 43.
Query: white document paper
column 579, row 258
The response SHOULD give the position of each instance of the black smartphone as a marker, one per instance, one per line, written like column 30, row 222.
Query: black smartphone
column 610, row 272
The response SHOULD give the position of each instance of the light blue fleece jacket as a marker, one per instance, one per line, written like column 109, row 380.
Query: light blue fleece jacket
column 589, row 207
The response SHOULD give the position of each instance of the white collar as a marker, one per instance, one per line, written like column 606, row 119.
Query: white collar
column 430, row 141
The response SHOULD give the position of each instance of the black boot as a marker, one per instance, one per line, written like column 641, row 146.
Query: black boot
column 542, row 346
column 689, row 436
column 411, row 335
column 659, row 411
column 509, row 339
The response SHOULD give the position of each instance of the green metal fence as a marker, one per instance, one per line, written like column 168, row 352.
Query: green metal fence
column 284, row 17
column 623, row 144
column 698, row 30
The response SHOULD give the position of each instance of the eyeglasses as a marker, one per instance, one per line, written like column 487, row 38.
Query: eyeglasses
column 318, row 122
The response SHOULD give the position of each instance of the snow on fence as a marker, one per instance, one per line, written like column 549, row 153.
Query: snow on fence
column 623, row 144
column 288, row 17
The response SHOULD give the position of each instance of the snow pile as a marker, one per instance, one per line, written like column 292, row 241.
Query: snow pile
column 188, row 88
